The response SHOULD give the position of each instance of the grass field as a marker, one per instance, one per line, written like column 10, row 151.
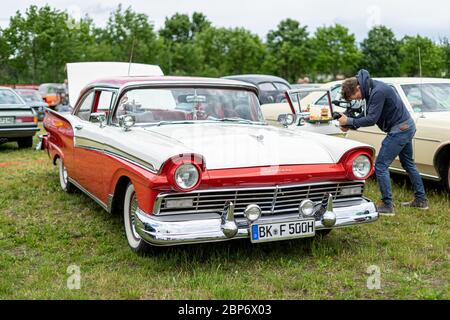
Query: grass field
column 43, row 231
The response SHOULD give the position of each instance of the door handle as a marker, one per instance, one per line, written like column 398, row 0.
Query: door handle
column 78, row 127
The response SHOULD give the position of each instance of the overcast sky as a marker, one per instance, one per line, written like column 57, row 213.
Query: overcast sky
column 429, row 17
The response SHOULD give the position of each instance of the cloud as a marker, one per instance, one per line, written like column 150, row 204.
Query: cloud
column 428, row 18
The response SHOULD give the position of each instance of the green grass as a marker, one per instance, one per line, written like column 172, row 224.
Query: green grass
column 44, row 230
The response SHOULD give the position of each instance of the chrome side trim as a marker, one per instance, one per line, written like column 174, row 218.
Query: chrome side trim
column 427, row 176
column 86, row 143
column 99, row 202
column 427, row 139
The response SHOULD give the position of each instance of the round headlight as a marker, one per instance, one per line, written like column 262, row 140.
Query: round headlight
column 186, row 176
column 252, row 212
column 361, row 166
column 306, row 208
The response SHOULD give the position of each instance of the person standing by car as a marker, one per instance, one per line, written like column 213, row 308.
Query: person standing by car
column 385, row 109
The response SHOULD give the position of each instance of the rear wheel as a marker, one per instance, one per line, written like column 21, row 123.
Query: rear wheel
column 130, row 207
column 25, row 142
column 66, row 185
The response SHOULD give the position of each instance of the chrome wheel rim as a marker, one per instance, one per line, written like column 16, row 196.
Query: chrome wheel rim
column 63, row 175
column 132, row 213
column 129, row 217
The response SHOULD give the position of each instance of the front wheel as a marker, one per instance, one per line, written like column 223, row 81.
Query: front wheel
column 129, row 218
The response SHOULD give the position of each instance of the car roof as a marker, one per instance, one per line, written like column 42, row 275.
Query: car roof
column 397, row 80
column 257, row 78
column 413, row 80
column 23, row 89
column 118, row 82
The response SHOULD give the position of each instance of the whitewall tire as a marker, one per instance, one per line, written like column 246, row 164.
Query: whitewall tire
column 66, row 185
column 130, row 207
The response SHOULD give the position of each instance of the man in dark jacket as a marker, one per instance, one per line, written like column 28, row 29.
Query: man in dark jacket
column 385, row 108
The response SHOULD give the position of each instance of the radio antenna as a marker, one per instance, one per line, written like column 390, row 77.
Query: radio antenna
column 420, row 63
column 131, row 56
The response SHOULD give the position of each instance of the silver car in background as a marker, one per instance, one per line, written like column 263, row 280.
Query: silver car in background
column 34, row 99
column 18, row 121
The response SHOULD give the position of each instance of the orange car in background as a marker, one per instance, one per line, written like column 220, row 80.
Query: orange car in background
column 52, row 93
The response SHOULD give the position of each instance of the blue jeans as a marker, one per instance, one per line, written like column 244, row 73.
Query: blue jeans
column 398, row 143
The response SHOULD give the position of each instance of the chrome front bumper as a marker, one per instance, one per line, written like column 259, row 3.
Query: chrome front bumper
column 208, row 227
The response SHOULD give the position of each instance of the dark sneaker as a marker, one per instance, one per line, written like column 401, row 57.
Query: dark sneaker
column 420, row 204
column 385, row 209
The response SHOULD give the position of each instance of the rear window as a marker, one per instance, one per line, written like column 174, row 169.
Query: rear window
column 9, row 97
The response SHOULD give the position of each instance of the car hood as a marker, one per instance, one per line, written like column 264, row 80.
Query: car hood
column 239, row 146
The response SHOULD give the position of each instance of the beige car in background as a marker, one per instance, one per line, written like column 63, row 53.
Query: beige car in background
column 428, row 101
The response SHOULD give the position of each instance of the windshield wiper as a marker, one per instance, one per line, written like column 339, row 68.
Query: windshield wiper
column 162, row 123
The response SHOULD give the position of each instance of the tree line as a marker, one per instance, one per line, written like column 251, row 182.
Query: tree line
column 37, row 44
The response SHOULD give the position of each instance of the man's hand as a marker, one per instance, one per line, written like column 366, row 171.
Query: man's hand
column 343, row 120
column 344, row 129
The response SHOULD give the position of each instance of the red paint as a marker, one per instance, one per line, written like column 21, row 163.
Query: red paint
column 170, row 167
column 349, row 156
column 59, row 140
column 23, row 119
column 288, row 98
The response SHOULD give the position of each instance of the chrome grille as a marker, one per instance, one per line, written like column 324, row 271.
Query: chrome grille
column 272, row 200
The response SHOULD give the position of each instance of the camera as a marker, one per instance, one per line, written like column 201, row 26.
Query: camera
column 353, row 109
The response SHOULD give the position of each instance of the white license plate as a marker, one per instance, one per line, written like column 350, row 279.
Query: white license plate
column 275, row 231
column 6, row 120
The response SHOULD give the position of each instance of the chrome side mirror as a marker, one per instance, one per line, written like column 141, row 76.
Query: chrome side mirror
column 287, row 119
column 127, row 121
column 98, row 117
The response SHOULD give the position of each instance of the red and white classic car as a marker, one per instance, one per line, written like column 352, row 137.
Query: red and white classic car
column 191, row 160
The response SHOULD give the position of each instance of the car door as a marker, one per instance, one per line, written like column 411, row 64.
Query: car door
column 426, row 141
column 89, row 156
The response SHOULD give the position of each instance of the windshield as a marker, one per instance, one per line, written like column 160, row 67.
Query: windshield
column 189, row 104
column 428, row 97
column 30, row 95
column 9, row 97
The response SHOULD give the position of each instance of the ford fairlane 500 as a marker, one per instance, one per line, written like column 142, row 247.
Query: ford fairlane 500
column 191, row 160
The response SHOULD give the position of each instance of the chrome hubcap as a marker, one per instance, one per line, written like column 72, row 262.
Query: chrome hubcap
column 132, row 213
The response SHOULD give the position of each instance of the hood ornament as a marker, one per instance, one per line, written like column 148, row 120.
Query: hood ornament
column 259, row 138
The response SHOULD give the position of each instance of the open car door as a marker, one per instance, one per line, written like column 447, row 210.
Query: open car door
column 311, row 117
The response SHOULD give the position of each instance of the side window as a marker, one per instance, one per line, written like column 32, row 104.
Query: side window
column 85, row 109
column 281, row 86
column 324, row 100
column 266, row 86
column 104, row 103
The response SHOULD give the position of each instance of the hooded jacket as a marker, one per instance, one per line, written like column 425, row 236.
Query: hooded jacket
column 384, row 107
